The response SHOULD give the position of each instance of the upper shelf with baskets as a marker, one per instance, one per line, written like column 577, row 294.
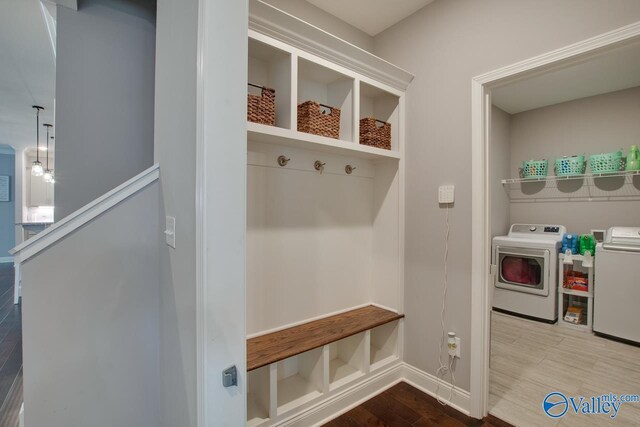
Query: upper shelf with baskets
column 623, row 185
column 298, row 99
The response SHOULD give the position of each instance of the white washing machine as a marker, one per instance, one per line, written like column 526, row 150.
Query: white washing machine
column 525, row 263
column 616, row 296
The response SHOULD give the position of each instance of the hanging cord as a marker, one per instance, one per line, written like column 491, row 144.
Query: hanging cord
column 444, row 368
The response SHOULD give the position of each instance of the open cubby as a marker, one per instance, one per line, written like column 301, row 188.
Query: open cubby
column 300, row 379
column 382, row 105
column 271, row 67
column 329, row 87
column 258, row 395
column 346, row 360
column 384, row 341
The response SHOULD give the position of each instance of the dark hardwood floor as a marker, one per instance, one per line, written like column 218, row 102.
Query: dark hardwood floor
column 403, row 406
column 10, row 350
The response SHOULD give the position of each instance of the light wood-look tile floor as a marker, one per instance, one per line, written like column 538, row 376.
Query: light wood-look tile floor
column 531, row 359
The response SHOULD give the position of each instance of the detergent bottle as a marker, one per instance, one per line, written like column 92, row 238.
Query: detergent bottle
column 587, row 244
column 569, row 243
column 633, row 159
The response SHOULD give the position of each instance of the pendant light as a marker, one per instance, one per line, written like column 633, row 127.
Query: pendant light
column 36, row 167
column 48, row 173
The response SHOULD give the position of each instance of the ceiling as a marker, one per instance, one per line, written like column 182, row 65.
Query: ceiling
column 609, row 72
column 370, row 16
column 27, row 71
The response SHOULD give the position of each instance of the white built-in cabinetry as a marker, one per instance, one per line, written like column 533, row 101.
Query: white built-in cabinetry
column 321, row 242
column 40, row 192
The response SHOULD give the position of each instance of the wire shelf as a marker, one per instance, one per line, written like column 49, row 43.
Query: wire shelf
column 587, row 187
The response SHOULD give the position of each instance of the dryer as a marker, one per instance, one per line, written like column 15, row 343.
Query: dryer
column 525, row 266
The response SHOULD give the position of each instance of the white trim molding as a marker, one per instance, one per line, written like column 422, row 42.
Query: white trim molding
column 424, row 381
column 67, row 225
column 295, row 32
column 347, row 399
column 480, row 237
column 6, row 259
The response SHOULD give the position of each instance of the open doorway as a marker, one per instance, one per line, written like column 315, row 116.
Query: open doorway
column 536, row 305
column 27, row 76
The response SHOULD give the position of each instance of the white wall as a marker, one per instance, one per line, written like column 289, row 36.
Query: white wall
column 321, row 19
column 104, row 98
column 90, row 321
column 175, row 150
column 309, row 237
column 445, row 44
column 499, row 166
column 593, row 125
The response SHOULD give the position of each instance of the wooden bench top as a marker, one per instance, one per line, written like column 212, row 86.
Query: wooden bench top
column 267, row 349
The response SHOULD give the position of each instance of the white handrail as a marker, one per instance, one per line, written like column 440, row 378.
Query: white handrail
column 71, row 222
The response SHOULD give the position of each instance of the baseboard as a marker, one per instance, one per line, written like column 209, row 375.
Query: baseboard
column 6, row 259
column 351, row 397
column 346, row 400
column 424, row 381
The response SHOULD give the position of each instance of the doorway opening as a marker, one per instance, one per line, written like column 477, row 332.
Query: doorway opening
column 507, row 104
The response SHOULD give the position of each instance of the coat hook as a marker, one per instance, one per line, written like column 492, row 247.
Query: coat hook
column 283, row 160
column 319, row 166
column 349, row 169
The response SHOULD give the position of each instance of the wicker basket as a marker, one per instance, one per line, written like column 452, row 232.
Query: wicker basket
column 375, row 133
column 313, row 119
column 262, row 108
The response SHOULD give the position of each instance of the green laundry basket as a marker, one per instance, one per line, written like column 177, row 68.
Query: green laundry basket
column 570, row 166
column 532, row 169
column 606, row 163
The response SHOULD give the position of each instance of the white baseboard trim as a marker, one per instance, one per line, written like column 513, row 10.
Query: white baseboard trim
column 346, row 400
column 351, row 397
column 6, row 259
column 424, row 381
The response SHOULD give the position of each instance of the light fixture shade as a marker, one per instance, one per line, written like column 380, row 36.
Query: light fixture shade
column 48, row 175
column 36, row 169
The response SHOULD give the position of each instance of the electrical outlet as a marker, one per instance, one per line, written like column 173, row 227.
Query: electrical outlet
column 446, row 193
column 457, row 347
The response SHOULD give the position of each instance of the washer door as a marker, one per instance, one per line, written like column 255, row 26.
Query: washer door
column 523, row 270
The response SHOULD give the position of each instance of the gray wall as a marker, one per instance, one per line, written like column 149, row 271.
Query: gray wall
column 8, row 209
column 175, row 150
column 104, row 98
column 593, row 125
column 445, row 44
column 499, row 166
column 90, row 316
column 321, row 19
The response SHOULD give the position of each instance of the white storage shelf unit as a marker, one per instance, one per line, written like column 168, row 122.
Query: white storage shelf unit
column 568, row 297
column 321, row 242
column 278, row 390
column 298, row 76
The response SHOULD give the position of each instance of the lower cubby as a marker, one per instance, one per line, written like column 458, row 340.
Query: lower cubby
column 575, row 311
column 346, row 360
column 294, row 369
column 300, row 379
column 384, row 344
column 258, row 396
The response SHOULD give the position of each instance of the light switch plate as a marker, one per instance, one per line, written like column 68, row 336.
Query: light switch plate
column 170, row 231
column 446, row 193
